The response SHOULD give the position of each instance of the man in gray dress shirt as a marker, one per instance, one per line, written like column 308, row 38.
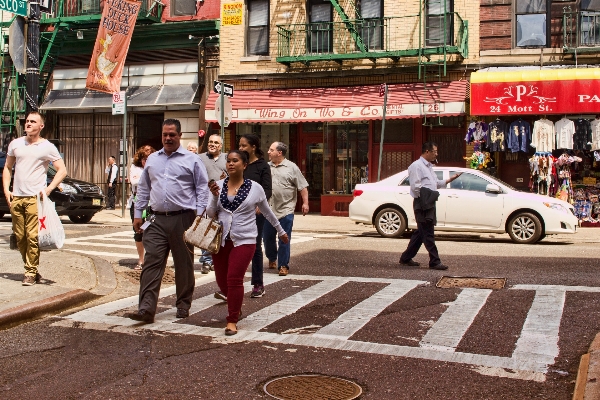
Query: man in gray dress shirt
column 423, row 179
column 174, row 184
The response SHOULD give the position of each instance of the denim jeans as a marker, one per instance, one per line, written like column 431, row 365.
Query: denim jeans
column 206, row 257
column 280, row 253
column 257, row 259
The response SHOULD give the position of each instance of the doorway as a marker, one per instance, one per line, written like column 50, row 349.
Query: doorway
column 311, row 165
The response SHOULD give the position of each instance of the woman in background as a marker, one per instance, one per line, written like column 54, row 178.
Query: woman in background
column 259, row 171
column 234, row 201
column 135, row 173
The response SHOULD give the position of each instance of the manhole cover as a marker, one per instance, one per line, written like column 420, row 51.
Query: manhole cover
column 312, row 387
column 466, row 282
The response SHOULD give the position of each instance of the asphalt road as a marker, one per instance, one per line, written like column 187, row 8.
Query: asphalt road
column 347, row 309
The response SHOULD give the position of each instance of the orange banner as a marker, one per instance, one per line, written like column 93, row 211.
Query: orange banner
column 112, row 44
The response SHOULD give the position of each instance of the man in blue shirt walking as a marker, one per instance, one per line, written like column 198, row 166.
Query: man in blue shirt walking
column 424, row 184
column 174, row 184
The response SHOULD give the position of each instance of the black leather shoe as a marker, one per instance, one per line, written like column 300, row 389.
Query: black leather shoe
column 142, row 316
column 182, row 313
column 410, row 263
column 439, row 266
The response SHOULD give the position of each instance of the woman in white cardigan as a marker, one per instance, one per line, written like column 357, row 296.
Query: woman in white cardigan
column 234, row 202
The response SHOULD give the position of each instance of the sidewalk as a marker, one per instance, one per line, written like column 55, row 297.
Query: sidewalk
column 68, row 279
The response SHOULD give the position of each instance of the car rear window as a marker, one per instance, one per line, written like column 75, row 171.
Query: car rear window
column 406, row 181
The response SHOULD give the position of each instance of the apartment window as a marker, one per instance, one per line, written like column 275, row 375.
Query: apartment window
column 183, row 7
column 320, row 30
column 371, row 29
column 532, row 23
column 590, row 23
column 439, row 14
column 258, row 27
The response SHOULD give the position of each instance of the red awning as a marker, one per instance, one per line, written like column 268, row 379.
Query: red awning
column 408, row 100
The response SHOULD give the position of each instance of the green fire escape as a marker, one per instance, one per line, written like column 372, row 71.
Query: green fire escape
column 429, row 37
column 71, row 19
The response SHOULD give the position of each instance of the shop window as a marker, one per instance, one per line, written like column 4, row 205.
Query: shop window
column 345, row 157
column 183, row 7
column 396, row 131
column 439, row 15
column 371, row 26
column 438, row 174
column 532, row 23
column 320, row 30
column 312, row 127
column 451, row 147
column 468, row 182
column 257, row 39
column 590, row 23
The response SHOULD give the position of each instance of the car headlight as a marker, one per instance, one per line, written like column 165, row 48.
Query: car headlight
column 557, row 207
column 66, row 188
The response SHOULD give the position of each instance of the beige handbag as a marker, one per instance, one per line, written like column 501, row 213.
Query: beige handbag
column 205, row 233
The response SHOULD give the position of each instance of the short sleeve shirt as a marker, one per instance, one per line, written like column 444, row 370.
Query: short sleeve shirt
column 31, row 165
column 287, row 182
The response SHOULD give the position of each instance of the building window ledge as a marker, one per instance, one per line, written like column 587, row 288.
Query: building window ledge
column 520, row 52
column 255, row 58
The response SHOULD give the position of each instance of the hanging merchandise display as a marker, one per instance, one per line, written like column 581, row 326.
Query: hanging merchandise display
column 479, row 160
column 497, row 134
column 519, row 137
column 565, row 129
column 543, row 135
column 582, row 140
column 595, row 126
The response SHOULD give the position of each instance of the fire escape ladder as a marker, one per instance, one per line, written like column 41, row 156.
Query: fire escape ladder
column 51, row 47
column 350, row 25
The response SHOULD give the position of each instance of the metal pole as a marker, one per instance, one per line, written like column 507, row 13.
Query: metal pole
column 124, row 166
column 32, row 82
column 223, row 114
column 382, row 132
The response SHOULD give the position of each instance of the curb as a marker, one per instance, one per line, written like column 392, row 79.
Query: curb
column 106, row 282
column 41, row 308
column 587, row 384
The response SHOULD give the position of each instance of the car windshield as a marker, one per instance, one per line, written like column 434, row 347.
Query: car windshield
column 499, row 180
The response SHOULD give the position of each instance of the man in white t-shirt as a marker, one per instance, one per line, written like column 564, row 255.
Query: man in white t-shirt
column 30, row 155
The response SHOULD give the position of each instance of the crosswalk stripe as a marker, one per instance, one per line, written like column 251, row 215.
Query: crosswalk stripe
column 268, row 315
column 449, row 329
column 358, row 316
column 539, row 337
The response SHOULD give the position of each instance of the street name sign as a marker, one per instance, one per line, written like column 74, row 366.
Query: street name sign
column 227, row 89
column 18, row 7
column 118, row 103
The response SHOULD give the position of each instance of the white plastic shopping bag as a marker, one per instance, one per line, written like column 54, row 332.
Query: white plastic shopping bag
column 51, row 234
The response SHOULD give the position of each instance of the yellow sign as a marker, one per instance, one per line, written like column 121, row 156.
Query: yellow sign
column 589, row 181
column 231, row 14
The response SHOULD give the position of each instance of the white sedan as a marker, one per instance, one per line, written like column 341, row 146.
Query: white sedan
column 475, row 202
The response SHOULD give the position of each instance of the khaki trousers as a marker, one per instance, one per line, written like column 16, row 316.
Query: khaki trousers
column 25, row 227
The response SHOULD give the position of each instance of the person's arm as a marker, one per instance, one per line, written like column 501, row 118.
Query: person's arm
column 304, row 195
column 6, row 178
column 415, row 177
column 266, row 181
column 143, row 195
column 61, row 172
column 213, row 204
column 201, row 183
column 452, row 178
column 264, row 208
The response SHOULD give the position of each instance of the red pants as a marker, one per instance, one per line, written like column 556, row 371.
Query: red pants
column 230, row 266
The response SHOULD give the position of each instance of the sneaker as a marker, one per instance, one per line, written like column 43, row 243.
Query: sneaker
column 38, row 278
column 29, row 281
column 272, row 264
column 219, row 295
column 205, row 268
column 257, row 291
column 212, row 267
column 283, row 271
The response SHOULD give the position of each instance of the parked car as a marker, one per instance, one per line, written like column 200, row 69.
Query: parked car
column 475, row 202
column 79, row 200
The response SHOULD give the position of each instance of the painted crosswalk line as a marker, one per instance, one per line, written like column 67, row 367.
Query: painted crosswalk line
column 535, row 351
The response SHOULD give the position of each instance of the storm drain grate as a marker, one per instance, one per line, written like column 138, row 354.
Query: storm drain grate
column 312, row 387
column 470, row 282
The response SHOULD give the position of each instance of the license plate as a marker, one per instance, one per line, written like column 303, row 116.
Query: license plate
column 96, row 202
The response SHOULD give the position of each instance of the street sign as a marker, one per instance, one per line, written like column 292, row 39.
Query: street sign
column 227, row 89
column 118, row 103
column 228, row 114
column 18, row 7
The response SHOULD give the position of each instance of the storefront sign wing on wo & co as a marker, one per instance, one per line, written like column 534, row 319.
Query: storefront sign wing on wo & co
column 533, row 92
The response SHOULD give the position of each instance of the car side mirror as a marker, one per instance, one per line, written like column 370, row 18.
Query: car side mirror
column 491, row 188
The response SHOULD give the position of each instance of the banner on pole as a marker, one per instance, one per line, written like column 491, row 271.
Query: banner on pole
column 112, row 44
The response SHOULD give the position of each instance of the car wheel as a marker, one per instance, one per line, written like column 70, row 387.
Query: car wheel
column 525, row 228
column 81, row 219
column 390, row 222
